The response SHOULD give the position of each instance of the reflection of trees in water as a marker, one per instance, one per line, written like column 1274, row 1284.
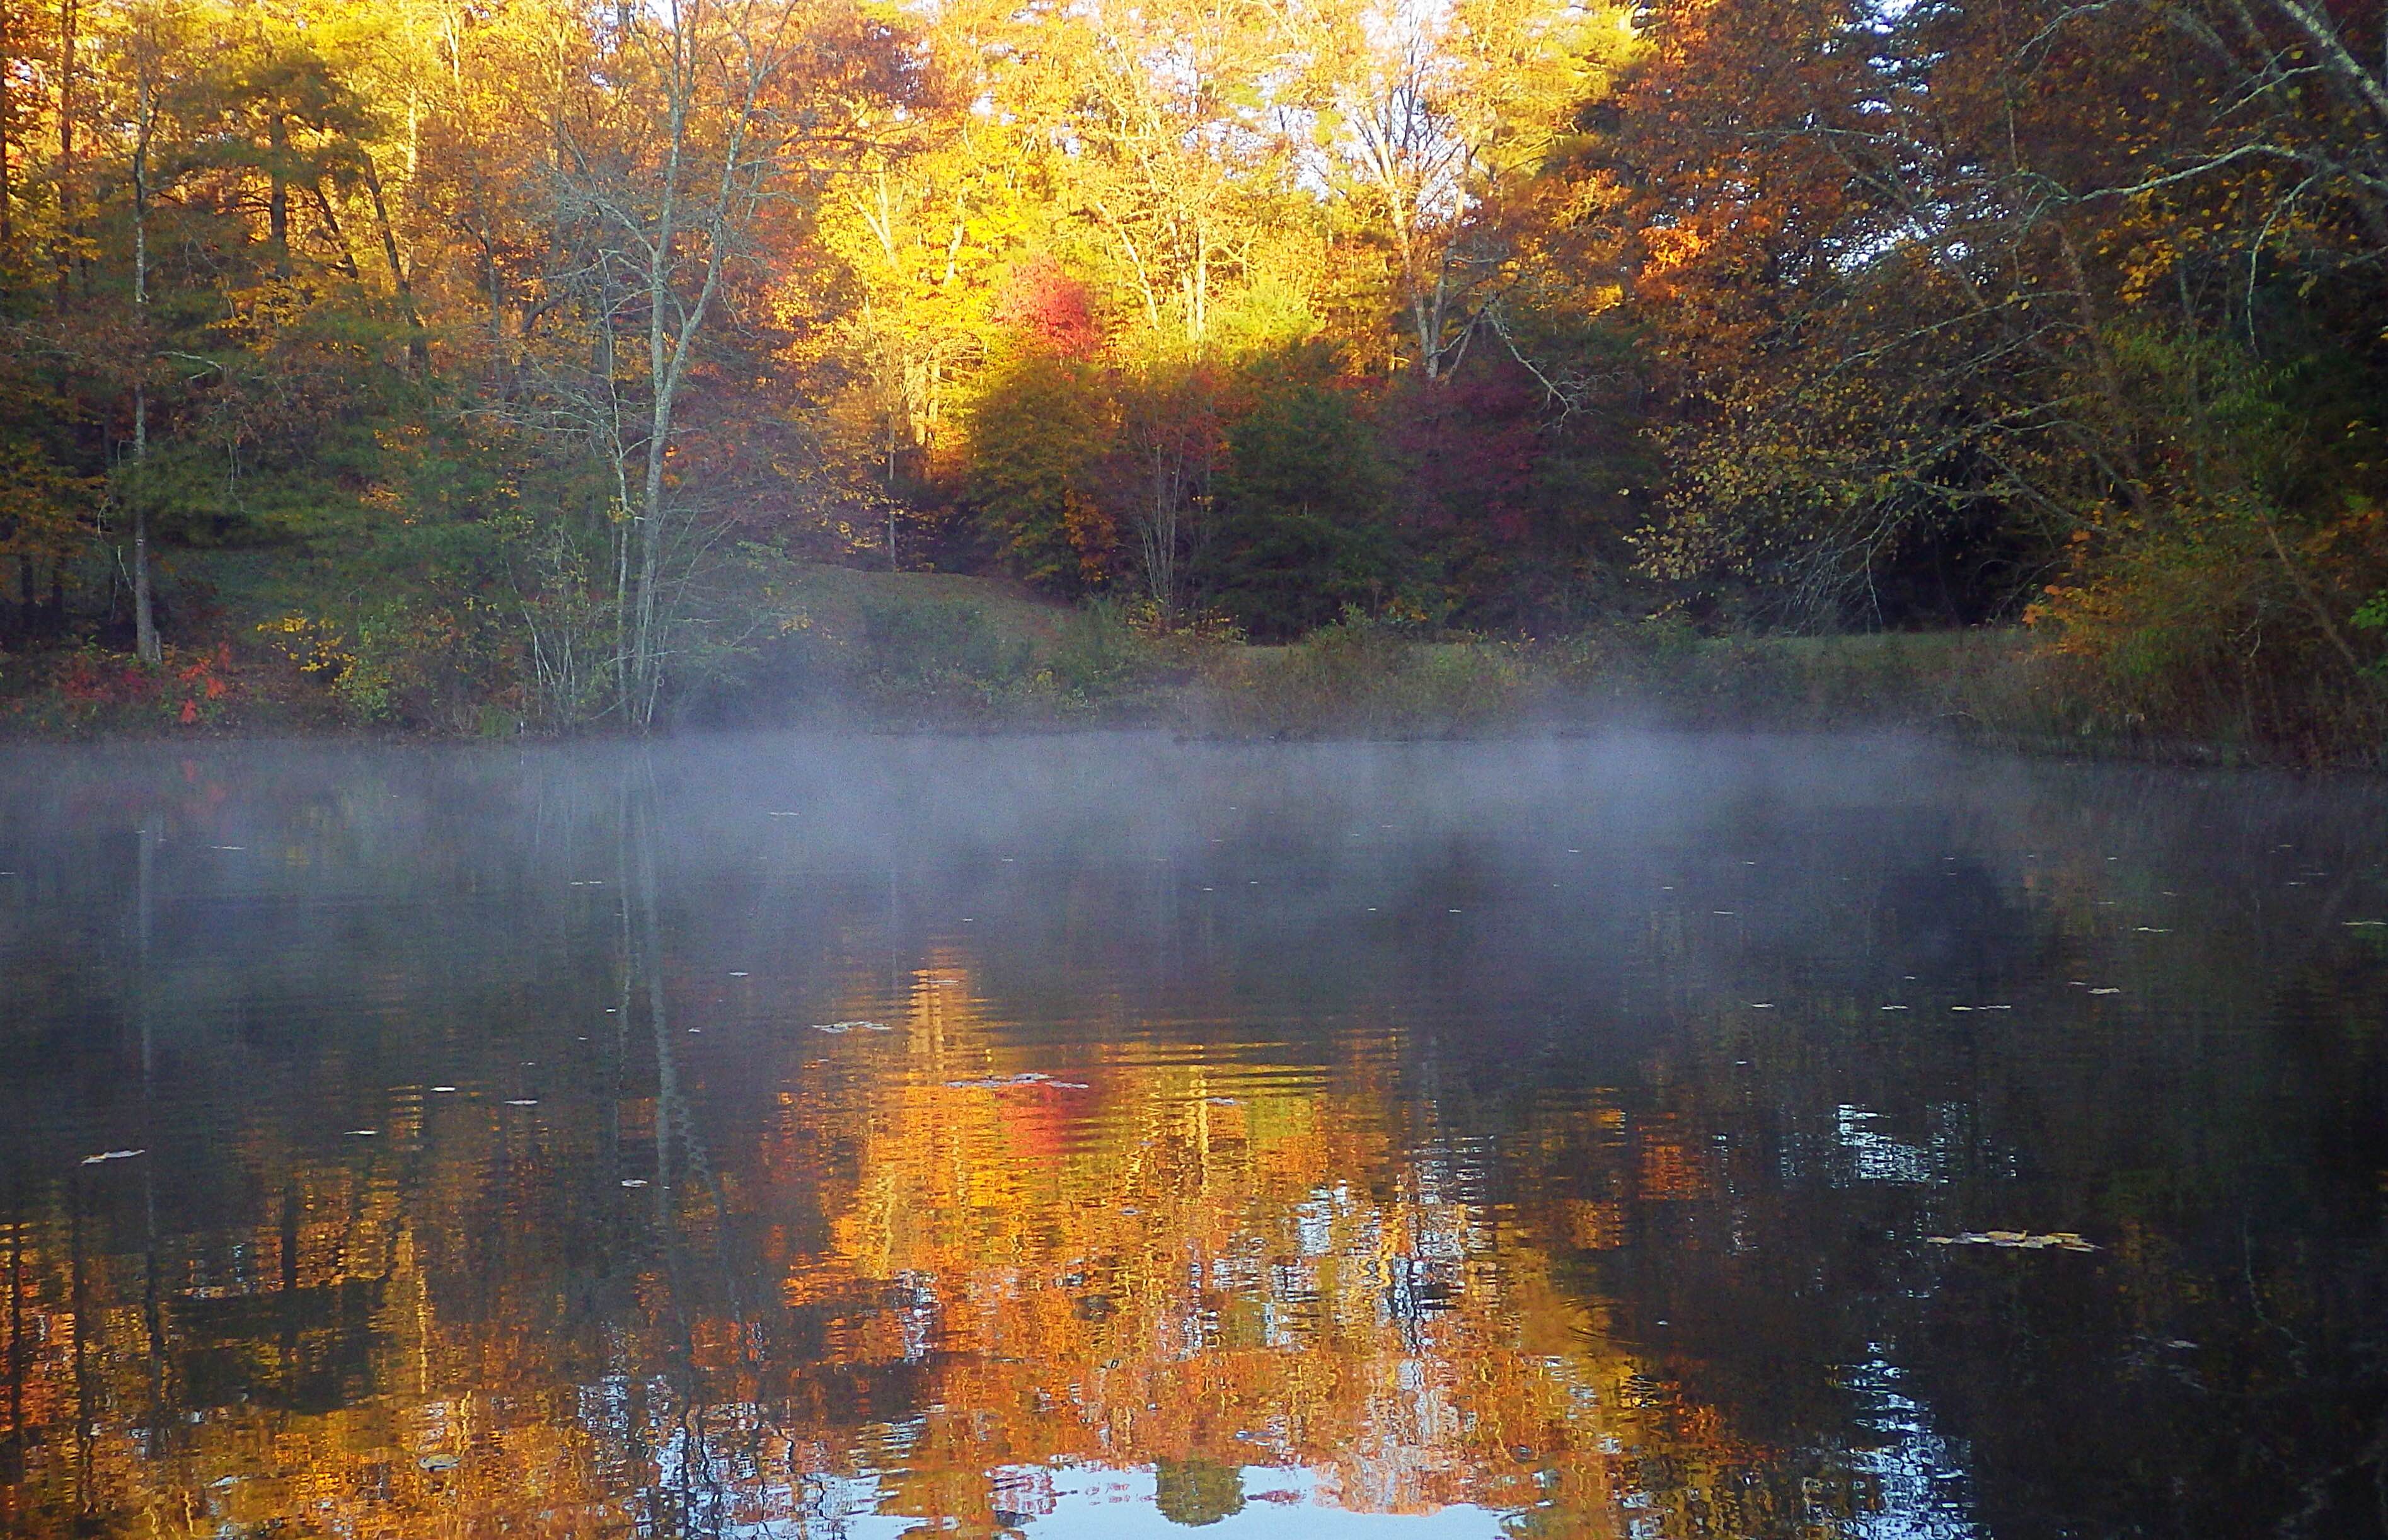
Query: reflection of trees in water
column 1429, row 1265
column 443, row 1324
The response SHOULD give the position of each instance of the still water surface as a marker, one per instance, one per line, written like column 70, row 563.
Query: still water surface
column 1103, row 1136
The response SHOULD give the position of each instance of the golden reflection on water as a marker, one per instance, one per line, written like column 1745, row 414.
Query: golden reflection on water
column 949, row 1282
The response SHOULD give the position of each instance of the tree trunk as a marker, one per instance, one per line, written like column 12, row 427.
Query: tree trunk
column 7, row 189
column 145, row 622
column 663, row 353
column 277, row 204
column 332, row 228
column 418, row 350
column 493, row 287
column 66, row 146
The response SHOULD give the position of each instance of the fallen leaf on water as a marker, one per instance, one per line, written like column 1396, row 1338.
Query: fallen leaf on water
column 2014, row 1240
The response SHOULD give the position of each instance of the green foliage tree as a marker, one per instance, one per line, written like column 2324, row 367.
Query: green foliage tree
column 1038, row 431
column 1302, row 531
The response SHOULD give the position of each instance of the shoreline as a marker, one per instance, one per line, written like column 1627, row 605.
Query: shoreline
column 883, row 653
column 1173, row 718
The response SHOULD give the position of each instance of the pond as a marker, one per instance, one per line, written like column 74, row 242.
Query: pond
column 1094, row 1136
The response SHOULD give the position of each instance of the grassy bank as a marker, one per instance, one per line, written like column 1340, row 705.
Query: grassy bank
column 870, row 651
column 880, row 651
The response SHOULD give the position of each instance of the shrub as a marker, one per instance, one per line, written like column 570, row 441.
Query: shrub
column 2218, row 624
column 1368, row 678
column 915, row 646
column 1097, row 654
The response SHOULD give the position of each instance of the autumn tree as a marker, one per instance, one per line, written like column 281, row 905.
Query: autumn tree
column 701, row 122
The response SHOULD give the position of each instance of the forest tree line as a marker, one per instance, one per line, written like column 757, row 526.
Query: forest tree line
column 506, row 346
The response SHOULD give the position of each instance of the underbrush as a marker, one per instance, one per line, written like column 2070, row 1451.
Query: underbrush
column 2226, row 628
column 82, row 690
column 1364, row 680
column 879, row 650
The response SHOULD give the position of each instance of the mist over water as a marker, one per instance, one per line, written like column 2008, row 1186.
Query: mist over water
column 1103, row 1135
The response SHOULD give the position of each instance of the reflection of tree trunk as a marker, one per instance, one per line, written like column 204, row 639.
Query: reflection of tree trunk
column 12, row 1449
column 676, row 1133
column 86, row 1392
column 669, row 1114
column 152, row 1308
column 629, row 973
column 672, row 1120
column 293, row 1204
column 147, row 868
